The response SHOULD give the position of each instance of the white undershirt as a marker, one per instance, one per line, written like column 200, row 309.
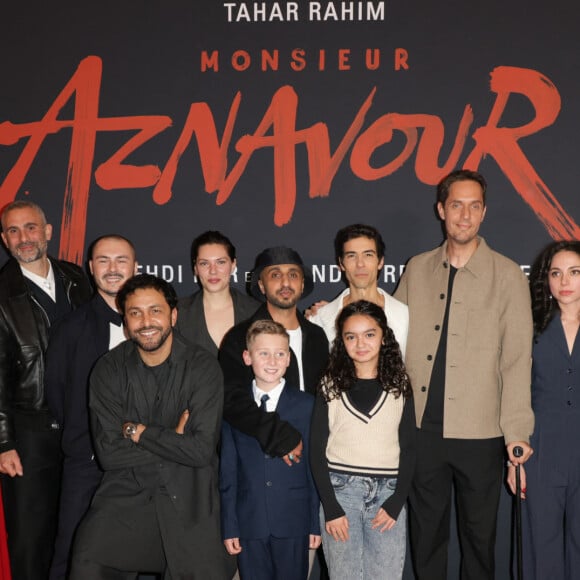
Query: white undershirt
column 296, row 346
column 47, row 284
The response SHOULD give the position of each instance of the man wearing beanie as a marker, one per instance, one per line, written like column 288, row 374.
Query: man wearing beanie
column 279, row 279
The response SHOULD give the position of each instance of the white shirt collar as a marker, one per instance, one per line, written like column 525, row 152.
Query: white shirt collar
column 116, row 335
column 274, row 395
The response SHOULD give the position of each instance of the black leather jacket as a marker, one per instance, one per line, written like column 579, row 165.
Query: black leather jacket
column 24, row 329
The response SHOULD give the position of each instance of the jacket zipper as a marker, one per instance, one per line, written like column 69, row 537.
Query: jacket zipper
column 41, row 308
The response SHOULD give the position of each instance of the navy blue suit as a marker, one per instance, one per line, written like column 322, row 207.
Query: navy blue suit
column 264, row 498
column 551, row 512
column 275, row 436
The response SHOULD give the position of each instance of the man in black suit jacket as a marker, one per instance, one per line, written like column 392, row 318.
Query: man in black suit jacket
column 75, row 345
column 281, row 279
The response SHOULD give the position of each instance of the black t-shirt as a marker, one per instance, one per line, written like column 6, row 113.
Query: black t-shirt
column 433, row 415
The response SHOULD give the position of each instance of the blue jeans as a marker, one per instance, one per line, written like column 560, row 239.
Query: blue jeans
column 368, row 554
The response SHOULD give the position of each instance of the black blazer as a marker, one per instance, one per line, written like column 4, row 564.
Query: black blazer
column 75, row 344
column 276, row 437
column 191, row 319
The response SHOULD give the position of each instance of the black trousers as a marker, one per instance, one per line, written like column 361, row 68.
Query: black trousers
column 474, row 467
column 31, row 501
column 114, row 543
column 80, row 479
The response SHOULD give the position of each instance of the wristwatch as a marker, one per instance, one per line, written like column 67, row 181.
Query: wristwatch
column 130, row 430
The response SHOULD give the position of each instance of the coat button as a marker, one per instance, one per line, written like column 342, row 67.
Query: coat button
column 442, row 296
column 429, row 357
column 269, row 483
column 423, row 389
column 437, row 327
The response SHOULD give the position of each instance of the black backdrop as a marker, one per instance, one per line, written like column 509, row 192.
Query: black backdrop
column 279, row 122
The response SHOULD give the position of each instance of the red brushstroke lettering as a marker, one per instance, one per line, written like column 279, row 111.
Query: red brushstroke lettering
column 278, row 131
column 85, row 86
column 213, row 155
column 502, row 144
column 430, row 143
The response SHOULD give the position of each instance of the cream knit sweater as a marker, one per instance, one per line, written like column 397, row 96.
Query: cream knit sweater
column 365, row 444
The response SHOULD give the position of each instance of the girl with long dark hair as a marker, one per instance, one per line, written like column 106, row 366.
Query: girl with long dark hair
column 362, row 447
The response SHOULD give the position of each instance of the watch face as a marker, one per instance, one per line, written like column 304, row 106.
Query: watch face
column 130, row 429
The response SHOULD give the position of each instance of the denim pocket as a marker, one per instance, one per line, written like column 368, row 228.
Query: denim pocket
column 339, row 480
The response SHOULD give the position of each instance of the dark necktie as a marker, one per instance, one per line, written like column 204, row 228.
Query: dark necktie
column 263, row 400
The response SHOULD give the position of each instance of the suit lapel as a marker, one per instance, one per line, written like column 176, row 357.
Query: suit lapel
column 285, row 400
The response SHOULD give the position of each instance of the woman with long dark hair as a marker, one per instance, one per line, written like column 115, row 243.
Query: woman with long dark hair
column 551, row 480
column 362, row 447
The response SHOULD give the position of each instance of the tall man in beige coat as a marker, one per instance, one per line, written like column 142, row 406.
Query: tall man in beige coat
column 469, row 359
